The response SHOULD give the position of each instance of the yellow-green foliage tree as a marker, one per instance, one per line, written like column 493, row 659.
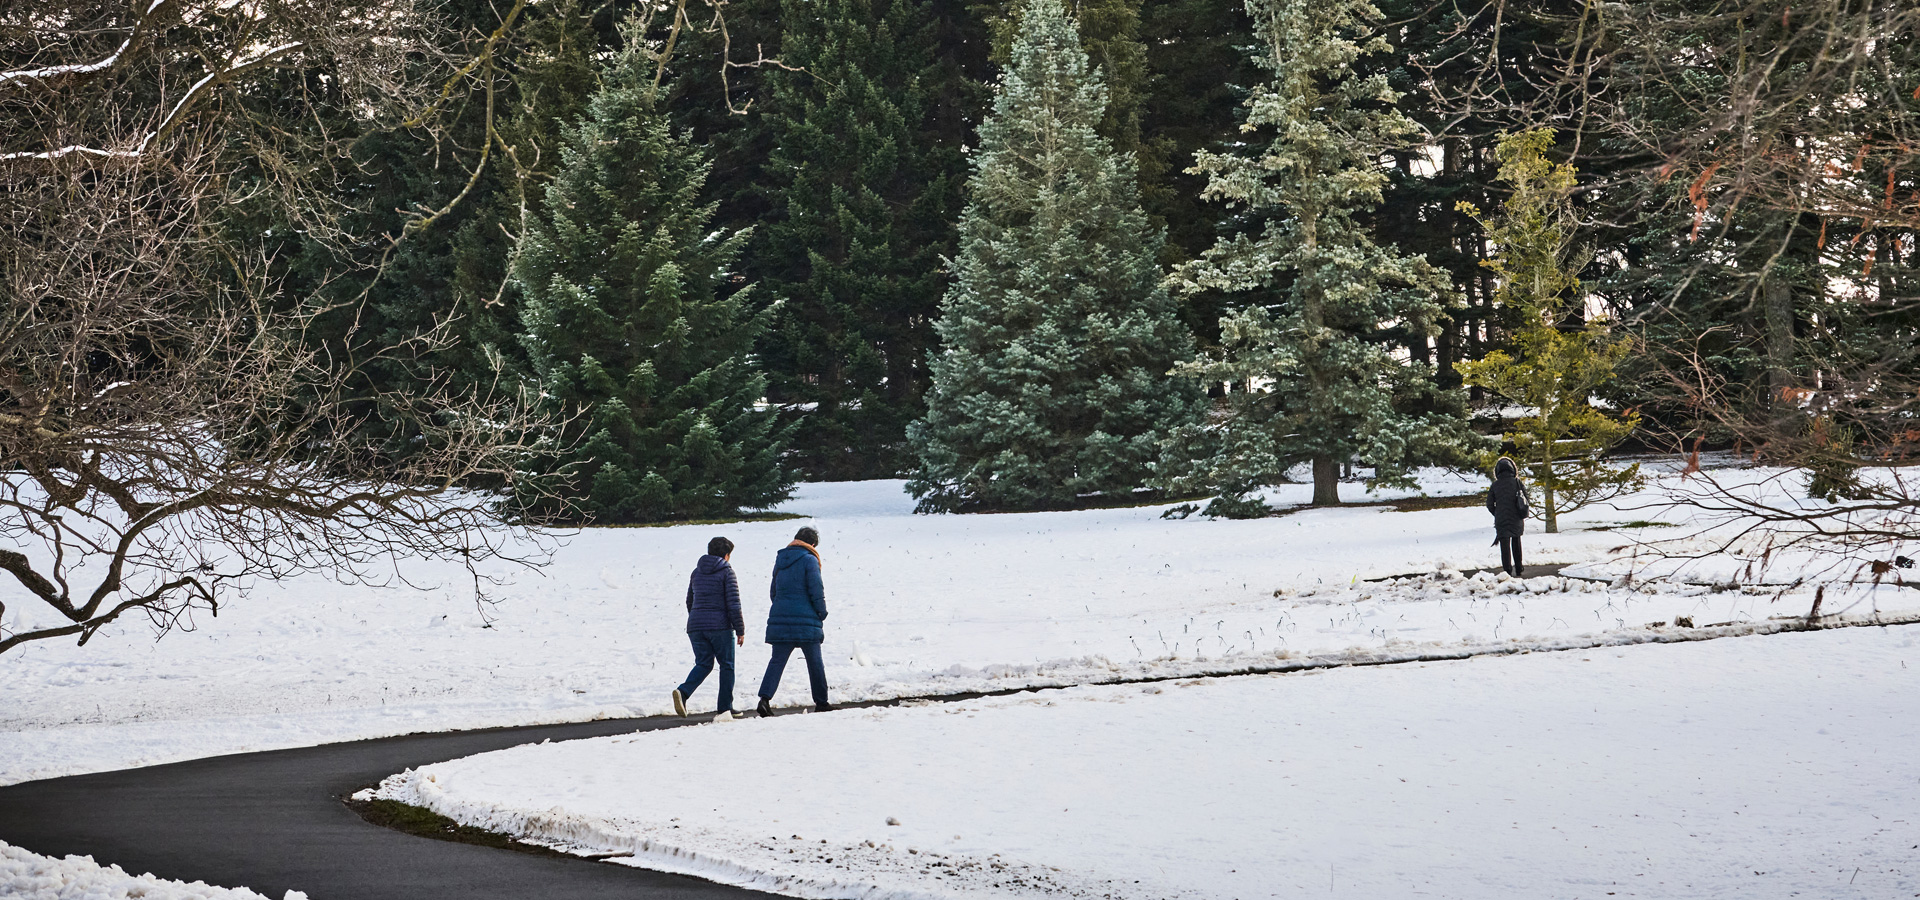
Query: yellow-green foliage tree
column 1558, row 357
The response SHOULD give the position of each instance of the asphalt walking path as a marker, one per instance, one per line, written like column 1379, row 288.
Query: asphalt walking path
column 275, row 821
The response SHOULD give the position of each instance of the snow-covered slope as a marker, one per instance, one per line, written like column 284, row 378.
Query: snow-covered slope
column 920, row 604
column 1754, row 767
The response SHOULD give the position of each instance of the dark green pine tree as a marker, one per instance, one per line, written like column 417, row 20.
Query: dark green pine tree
column 1313, row 379
column 1198, row 75
column 1051, row 384
column 633, row 327
column 865, row 199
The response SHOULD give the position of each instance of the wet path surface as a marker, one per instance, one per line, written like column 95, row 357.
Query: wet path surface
column 274, row 821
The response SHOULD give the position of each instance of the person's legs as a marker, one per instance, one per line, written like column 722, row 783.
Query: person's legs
column 775, row 666
column 702, row 662
column 1506, row 555
column 1518, row 566
column 816, row 673
column 723, row 651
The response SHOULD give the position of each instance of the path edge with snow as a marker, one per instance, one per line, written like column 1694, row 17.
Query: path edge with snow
column 597, row 838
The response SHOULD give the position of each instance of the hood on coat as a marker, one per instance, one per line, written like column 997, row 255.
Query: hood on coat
column 1505, row 468
column 711, row 564
column 789, row 555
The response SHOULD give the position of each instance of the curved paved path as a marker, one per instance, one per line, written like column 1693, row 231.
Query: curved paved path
column 274, row 821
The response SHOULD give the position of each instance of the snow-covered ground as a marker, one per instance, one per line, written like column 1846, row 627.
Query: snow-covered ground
column 31, row 876
column 1770, row 766
column 920, row 604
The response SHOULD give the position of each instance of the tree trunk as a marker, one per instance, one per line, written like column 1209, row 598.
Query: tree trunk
column 1326, row 481
column 1777, row 297
column 1548, row 506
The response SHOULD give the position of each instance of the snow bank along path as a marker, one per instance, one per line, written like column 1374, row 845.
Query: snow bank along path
column 30, row 876
column 920, row 605
column 1762, row 766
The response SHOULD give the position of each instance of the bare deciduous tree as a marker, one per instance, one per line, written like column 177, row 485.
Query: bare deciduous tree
column 169, row 430
column 1786, row 135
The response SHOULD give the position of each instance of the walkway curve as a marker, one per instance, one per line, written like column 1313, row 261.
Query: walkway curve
column 274, row 822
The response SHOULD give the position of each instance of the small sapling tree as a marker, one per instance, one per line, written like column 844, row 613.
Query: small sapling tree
column 1559, row 357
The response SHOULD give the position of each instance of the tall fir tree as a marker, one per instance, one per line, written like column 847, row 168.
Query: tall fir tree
column 1561, row 356
column 1057, row 335
column 1198, row 75
column 633, row 327
column 864, row 201
column 1315, row 382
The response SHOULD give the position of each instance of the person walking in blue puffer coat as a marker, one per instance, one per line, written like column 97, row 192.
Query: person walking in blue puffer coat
column 714, row 625
column 797, row 618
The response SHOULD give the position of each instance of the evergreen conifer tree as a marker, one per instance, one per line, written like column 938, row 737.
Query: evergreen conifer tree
column 864, row 202
column 1057, row 335
column 1558, row 362
column 631, row 324
column 1314, row 382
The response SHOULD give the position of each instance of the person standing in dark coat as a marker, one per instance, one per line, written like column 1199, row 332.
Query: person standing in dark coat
column 1507, row 500
column 796, row 619
column 714, row 625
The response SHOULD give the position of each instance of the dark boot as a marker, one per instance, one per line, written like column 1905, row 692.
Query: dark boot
column 823, row 707
column 764, row 709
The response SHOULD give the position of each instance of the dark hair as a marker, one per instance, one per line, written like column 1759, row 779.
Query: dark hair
column 808, row 536
column 719, row 547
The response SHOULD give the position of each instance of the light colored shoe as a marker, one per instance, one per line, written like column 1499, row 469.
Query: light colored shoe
column 727, row 715
column 679, row 703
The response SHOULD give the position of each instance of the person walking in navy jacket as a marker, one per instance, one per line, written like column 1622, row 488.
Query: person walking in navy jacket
column 797, row 618
column 714, row 625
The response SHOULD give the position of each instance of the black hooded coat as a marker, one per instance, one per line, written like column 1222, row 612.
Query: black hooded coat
column 1507, row 500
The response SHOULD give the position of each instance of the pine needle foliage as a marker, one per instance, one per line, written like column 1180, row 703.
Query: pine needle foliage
column 1052, row 383
column 633, row 328
column 865, row 198
column 1313, row 380
column 1558, row 362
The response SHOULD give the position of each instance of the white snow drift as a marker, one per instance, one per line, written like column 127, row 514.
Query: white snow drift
column 30, row 876
column 1755, row 767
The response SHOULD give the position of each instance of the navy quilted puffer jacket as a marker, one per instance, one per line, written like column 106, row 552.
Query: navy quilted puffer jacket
column 713, row 598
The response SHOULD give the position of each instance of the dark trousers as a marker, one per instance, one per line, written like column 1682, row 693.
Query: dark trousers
column 710, row 647
column 1510, row 555
column 816, row 671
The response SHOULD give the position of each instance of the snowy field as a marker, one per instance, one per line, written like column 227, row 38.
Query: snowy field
column 30, row 875
column 1771, row 766
column 919, row 605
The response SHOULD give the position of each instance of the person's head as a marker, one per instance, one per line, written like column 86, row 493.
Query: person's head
column 720, row 547
column 808, row 536
column 1505, row 468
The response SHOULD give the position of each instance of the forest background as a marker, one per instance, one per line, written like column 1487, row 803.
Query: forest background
column 713, row 241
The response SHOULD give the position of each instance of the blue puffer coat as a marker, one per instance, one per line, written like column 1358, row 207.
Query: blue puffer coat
column 799, row 599
column 713, row 598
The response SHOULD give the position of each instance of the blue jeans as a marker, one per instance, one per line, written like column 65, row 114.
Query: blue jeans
column 816, row 671
column 709, row 646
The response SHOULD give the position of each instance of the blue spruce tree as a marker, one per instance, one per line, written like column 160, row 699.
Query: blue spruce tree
column 1051, row 385
column 1312, row 377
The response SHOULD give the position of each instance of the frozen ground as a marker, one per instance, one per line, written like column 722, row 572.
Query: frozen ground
column 1772, row 766
column 920, row 604
column 30, row 876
